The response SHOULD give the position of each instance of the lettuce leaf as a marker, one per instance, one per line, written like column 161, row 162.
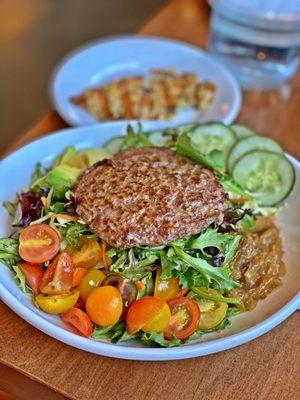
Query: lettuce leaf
column 139, row 139
column 9, row 251
column 22, row 280
column 150, row 339
column 116, row 333
column 73, row 232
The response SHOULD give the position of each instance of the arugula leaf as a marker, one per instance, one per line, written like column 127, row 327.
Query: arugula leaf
column 139, row 139
column 9, row 251
column 218, row 299
column 227, row 243
column 22, row 280
column 211, row 274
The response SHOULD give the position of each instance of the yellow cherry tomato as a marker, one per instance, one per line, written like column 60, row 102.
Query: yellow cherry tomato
column 88, row 256
column 165, row 289
column 212, row 313
column 159, row 322
column 104, row 305
column 57, row 304
column 92, row 279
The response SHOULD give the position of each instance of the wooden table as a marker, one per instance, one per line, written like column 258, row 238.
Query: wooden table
column 264, row 369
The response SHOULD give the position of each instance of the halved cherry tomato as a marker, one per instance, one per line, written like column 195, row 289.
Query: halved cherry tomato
column 166, row 289
column 33, row 275
column 57, row 304
column 159, row 322
column 212, row 312
column 78, row 275
column 38, row 243
column 142, row 311
column 58, row 277
column 104, row 305
column 185, row 316
column 92, row 279
column 79, row 320
column 88, row 256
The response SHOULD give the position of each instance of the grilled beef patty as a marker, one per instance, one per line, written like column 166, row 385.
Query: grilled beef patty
column 148, row 196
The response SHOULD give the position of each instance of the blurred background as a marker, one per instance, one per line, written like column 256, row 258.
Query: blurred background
column 36, row 34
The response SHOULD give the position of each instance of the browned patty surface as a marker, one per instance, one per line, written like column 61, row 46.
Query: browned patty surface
column 148, row 196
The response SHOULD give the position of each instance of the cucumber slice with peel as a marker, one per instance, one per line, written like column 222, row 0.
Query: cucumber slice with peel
column 242, row 131
column 213, row 136
column 114, row 145
column 243, row 146
column 269, row 177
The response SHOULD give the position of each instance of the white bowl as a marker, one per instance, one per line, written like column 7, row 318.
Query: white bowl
column 15, row 171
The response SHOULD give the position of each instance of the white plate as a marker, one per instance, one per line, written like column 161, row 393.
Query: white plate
column 15, row 171
column 100, row 62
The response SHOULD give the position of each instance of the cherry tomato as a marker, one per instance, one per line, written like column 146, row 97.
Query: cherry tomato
column 159, row 322
column 104, row 305
column 88, row 256
column 92, row 279
column 57, row 304
column 77, row 276
column 58, row 277
column 33, row 275
column 79, row 320
column 142, row 311
column 212, row 313
column 38, row 243
column 166, row 289
column 185, row 316
column 126, row 287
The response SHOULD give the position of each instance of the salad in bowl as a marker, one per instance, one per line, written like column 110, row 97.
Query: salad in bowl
column 159, row 236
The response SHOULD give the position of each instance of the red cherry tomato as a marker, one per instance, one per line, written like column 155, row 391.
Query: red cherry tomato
column 38, row 243
column 58, row 277
column 79, row 320
column 185, row 317
column 33, row 275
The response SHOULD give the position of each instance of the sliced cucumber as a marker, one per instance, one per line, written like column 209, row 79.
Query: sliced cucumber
column 243, row 146
column 157, row 138
column 167, row 137
column 242, row 131
column 213, row 136
column 268, row 176
column 114, row 145
column 185, row 128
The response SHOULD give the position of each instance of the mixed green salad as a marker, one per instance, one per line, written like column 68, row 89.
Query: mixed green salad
column 163, row 295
